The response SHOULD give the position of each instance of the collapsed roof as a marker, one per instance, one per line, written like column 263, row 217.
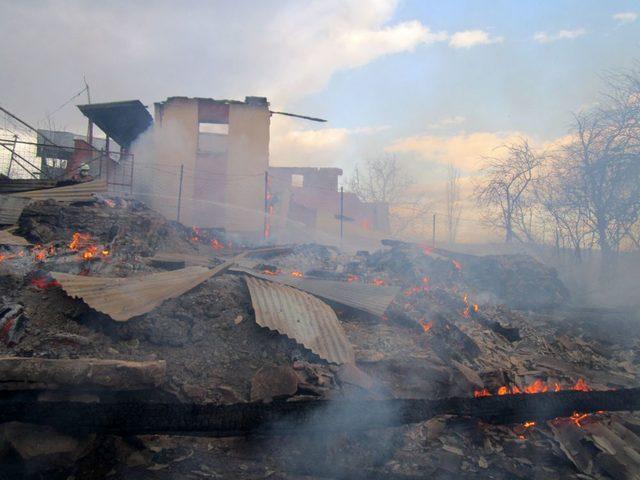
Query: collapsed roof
column 123, row 121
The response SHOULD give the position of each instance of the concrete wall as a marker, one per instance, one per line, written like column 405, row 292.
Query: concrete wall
column 223, row 183
column 248, row 160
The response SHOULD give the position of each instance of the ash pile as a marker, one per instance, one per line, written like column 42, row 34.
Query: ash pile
column 106, row 302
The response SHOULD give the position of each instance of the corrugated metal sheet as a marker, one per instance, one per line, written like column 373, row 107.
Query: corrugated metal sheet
column 11, row 208
column 188, row 259
column 362, row 296
column 8, row 238
column 301, row 317
column 79, row 192
column 124, row 298
column 12, row 185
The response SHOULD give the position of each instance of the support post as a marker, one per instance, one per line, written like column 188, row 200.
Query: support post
column 13, row 151
column 341, row 213
column 265, row 230
column 433, row 232
column 180, row 191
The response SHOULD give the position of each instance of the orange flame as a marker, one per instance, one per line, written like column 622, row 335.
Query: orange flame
column 90, row 252
column 538, row 386
column 297, row 274
column 378, row 282
column 426, row 326
column 529, row 424
column 39, row 253
column 216, row 245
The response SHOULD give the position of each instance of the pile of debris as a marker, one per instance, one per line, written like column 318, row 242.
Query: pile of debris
column 116, row 307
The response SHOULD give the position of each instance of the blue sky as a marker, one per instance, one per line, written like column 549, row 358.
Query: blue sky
column 519, row 84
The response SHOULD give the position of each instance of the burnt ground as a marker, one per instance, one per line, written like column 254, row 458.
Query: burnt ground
column 214, row 349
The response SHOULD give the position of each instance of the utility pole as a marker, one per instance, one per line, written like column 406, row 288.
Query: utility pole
column 90, row 123
column 266, row 229
column 341, row 212
column 433, row 232
column 180, row 191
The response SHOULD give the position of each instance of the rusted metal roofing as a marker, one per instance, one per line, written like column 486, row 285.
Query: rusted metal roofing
column 78, row 192
column 11, row 208
column 124, row 298
column 362, row 296
column 8, row 238
column 302, row 317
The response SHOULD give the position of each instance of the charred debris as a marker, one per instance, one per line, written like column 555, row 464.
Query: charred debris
column 135, row 347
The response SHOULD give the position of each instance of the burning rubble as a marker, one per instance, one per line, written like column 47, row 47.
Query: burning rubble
column 472, row 329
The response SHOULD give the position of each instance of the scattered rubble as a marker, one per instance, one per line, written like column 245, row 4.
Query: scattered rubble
column 456, row 324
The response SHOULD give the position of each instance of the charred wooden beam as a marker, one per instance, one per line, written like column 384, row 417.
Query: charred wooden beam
column 131, row 418
column 24, row 373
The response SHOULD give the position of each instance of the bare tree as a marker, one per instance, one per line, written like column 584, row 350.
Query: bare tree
column 506, row 191
column 453, row 201
column 603, row 164
column 383, row 181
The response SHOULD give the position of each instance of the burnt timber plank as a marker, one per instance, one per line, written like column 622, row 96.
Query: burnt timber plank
column 134, row 417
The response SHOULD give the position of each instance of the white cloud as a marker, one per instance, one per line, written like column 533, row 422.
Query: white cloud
column 448, row 122
column 328, row 36
column 465, row 150
column 471, row 38
column 320, row 147
column 625, row 17
column 544, row 37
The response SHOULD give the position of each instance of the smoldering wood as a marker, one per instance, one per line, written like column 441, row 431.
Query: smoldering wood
column 137, row 418
column 24, row 373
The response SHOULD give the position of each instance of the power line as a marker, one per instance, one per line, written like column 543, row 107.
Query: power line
column 49, row 115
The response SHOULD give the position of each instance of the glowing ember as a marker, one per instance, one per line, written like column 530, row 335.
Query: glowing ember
column 297, row 274
column 475, row 307
column 538, row 386
column 422, row 288
column 481, row 393
column 266, row 271
column 581, row 385
column 378, row 282
column 529, row 424
column 216, row 245
column 105, row 252
column 89, row 253
column 39, row 253
column 578, row 417
column 79, row 240
column 465, row 312
column 426, row 326
column 44, row 283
